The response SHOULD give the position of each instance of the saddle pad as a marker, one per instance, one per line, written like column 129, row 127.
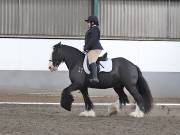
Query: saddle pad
column 105, row 66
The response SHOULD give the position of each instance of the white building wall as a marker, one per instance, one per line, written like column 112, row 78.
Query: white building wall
column 33, row 54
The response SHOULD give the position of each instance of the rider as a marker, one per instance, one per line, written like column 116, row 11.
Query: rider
column 92, row 46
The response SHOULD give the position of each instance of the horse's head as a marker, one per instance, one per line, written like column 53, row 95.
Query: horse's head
column 56, row 58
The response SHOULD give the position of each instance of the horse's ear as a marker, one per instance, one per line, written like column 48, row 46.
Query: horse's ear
column 59, row 43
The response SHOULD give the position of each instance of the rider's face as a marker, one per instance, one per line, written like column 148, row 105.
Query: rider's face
column 89, row 24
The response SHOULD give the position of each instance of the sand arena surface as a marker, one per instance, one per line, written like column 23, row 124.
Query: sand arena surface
column 53, row 120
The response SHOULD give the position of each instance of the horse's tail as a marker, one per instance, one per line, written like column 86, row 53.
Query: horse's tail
column 145, row 92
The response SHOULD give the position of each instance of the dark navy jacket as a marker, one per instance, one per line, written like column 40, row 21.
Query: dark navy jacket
column 92, row 38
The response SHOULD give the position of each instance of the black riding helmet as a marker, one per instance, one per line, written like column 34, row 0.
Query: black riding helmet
column 92, row 19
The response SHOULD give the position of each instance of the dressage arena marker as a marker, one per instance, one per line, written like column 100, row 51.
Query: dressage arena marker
column 78, row 104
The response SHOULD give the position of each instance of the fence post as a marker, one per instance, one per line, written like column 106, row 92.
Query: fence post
column 95, row 7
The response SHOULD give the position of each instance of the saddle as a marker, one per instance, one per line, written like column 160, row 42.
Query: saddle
column 102, row 58
column 104, row 64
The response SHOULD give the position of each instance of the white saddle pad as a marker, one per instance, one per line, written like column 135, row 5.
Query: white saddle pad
column 105, row 66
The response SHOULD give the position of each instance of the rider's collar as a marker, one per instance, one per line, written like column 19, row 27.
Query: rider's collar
column 93, row 26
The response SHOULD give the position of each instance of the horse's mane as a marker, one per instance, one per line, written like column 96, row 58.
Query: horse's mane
column 70, row 48
column 73, row 49
column 70, row 51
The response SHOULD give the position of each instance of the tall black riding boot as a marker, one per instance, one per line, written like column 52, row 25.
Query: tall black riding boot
column 93, row 69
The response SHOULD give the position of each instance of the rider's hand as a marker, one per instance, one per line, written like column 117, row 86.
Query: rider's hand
column 84, row 52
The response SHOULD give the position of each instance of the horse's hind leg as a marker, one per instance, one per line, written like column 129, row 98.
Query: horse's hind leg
column 89, row 112
column 139, row 111
column 123, row 99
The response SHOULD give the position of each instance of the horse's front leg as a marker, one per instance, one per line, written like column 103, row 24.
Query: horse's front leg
column 66, row 96
column 89, row 112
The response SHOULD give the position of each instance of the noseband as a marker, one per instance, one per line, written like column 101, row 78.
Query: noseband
column 55, row 63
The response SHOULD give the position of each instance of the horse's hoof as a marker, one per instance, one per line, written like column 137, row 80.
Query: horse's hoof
column 113, row 113
column 90, row 113
column 139, row 114
column 114, row 108
column 66, row 106
column 66, row 101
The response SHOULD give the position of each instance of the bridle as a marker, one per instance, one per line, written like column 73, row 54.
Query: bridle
column 55, row 63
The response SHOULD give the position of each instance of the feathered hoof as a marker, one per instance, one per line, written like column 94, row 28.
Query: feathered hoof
column 66, row 101
column 90, row 113
column 113, row 109
column 138, row 114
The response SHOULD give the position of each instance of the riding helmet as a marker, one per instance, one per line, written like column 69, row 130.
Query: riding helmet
column 92, row 19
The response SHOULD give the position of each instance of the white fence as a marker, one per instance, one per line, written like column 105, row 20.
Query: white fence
column 33, row 54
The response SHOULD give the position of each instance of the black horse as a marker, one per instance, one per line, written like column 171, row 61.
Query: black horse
column 124, row 74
